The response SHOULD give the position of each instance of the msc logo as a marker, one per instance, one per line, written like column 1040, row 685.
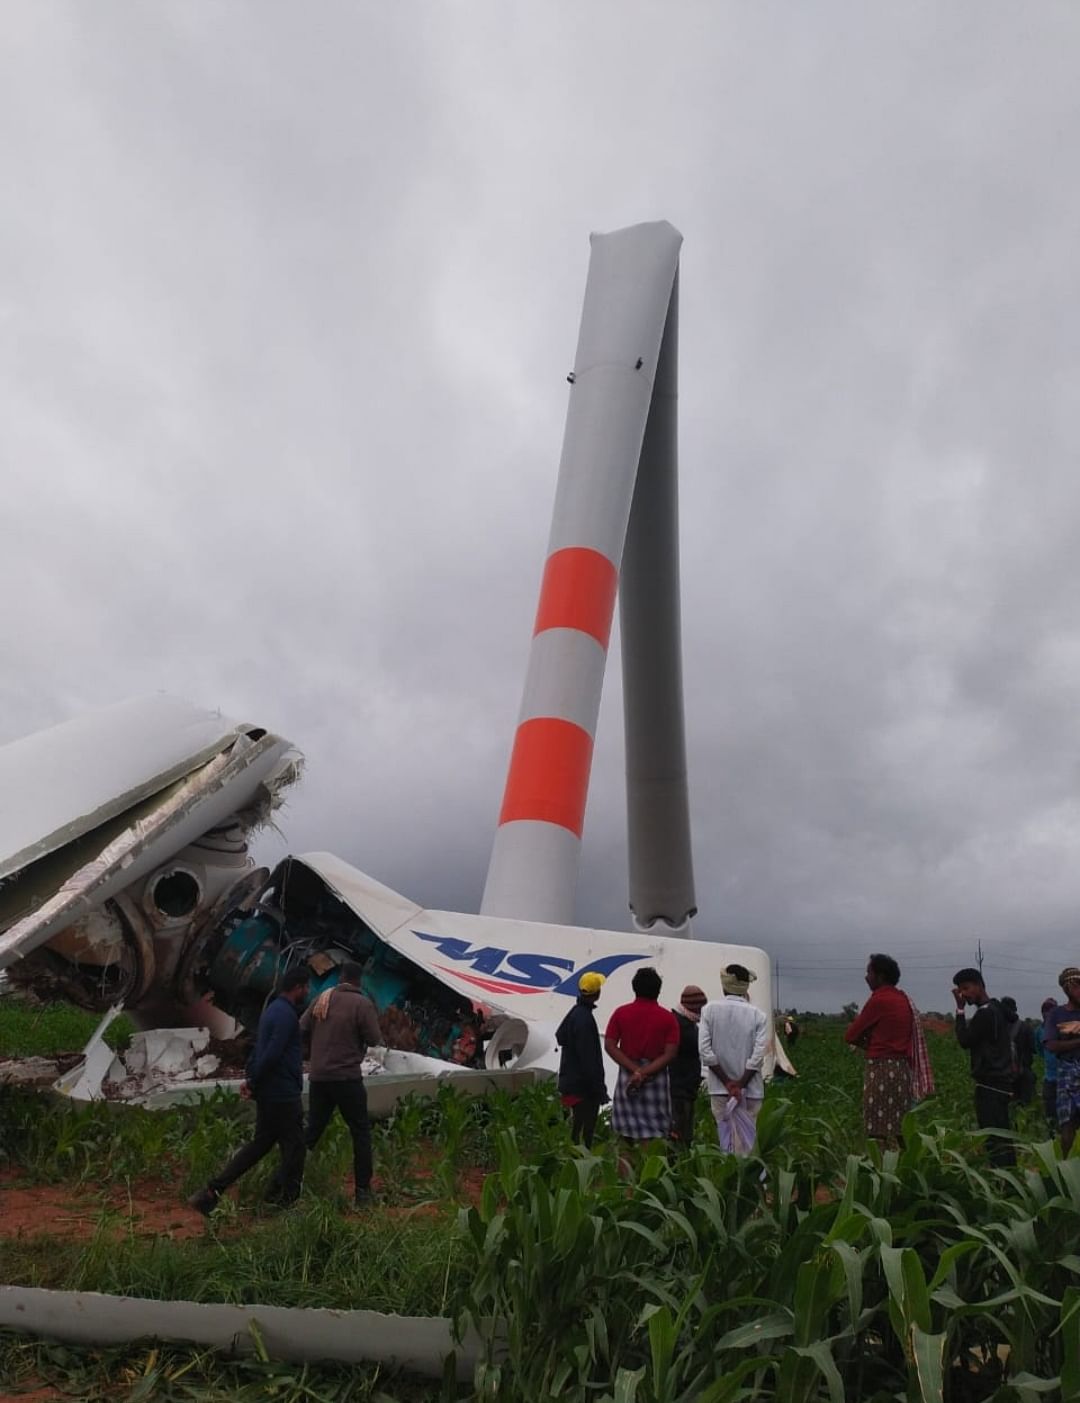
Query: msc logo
column 500, row 972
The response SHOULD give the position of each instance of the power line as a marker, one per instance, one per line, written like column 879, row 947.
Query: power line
column 955, row 952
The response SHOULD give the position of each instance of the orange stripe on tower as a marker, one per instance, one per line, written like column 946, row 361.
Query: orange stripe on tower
column 549, row 774
column 578, row 591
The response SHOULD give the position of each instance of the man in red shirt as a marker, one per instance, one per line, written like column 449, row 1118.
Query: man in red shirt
column 643, row 1039
column 886, row 1030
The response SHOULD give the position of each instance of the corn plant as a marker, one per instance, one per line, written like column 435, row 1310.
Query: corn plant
column 922, row 1276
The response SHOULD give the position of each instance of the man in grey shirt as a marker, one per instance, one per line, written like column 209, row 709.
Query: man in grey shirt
column 341, row 1025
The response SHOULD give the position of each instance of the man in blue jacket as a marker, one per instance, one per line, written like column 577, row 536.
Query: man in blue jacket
column 275, row 1079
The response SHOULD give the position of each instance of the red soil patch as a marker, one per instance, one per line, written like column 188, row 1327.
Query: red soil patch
column 153, row 1209
column 470, row 1180
column 157, row 1208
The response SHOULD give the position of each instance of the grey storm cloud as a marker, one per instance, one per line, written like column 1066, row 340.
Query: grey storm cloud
column 287, row 299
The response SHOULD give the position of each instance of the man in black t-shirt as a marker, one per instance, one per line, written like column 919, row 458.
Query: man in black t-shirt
column 685, row 1072
column 985, row 1036
column 1023, row 1044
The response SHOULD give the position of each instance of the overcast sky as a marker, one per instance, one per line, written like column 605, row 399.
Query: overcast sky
column 288, row 294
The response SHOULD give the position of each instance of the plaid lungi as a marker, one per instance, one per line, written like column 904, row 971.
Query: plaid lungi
column 1068, row 1089
column 887, row 1096
column 644, row 1114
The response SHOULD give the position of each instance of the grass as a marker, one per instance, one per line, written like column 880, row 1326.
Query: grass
column 174, row 1375
column 312, row 1256
column 819, row 1270
column 30, row 1029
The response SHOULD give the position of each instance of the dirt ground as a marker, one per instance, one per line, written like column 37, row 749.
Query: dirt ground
column 153, row 1209
column 156, row 1208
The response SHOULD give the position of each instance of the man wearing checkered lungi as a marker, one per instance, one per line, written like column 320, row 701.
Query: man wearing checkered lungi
column 642, row 1038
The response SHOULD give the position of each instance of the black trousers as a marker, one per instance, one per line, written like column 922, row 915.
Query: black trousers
column 992, row 1113
column 278, row 1123
column 682, row 1119
column 350, row 1098
column 583, row 1122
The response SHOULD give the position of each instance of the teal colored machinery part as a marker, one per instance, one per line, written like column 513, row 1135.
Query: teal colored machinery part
column 246, row 968
column 247, row 963
column 321, row 982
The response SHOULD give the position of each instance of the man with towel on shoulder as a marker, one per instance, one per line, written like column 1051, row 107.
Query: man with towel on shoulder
column 342, row 1025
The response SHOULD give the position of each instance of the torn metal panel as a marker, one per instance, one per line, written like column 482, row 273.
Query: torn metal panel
column 420, row 1344
column 161, row 1055
column 83, row 1081
column 104, row 912
column 226, row 784
column 74, row 777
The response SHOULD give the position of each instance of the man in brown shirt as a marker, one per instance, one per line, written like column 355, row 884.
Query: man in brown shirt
column 341, row 1024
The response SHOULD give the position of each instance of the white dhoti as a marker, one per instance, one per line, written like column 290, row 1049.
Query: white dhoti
column 736, row 1122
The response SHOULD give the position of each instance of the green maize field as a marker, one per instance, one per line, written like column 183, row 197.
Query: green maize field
column 817, row 1270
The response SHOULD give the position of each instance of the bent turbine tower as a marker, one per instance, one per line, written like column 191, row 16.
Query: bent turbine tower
column 614, row 529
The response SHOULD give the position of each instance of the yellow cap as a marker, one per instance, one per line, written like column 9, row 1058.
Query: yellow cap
column 590, row 982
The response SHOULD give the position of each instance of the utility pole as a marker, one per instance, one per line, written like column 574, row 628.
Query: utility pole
column 779, row 1001
column 980, row 956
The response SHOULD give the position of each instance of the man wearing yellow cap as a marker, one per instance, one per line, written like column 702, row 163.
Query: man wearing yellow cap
column 581, row 1066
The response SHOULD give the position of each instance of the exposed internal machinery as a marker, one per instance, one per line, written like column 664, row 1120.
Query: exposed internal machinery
column 298, row 920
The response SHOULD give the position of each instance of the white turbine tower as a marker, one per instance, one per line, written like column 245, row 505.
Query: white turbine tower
column 614, row 529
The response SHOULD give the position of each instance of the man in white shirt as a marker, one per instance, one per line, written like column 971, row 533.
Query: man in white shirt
column 732, row 1035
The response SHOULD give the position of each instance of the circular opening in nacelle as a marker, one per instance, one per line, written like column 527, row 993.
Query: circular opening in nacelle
column 176, row 894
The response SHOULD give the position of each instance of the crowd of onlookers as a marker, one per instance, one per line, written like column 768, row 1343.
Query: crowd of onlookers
column 661, row 1057
column 660, row 1054
column 1000, row 1046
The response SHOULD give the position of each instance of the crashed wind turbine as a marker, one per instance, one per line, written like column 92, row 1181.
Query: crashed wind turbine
column 125, row 877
